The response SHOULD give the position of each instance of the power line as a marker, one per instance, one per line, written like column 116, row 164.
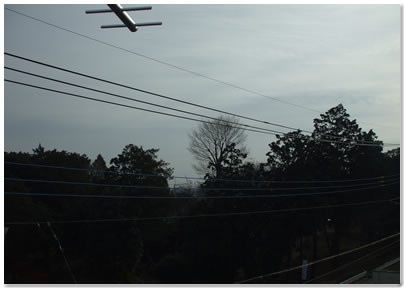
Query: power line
column 174, row 66
column 331, row 141
column 199, row 178
column 194, row 197
column 318, row 261
column 84, row 183
column 148, row 92
column 177, row 100
column 198, row 215
column 203, row 189
column 191, row 113
column 353, row 262
column 134, row 107
column 88, row 170
column 297, row 188
column 177, row 116
column 173, row 99
column 139, row 101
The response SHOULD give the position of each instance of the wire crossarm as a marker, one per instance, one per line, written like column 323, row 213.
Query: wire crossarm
column 124, row 17
column 98, row 11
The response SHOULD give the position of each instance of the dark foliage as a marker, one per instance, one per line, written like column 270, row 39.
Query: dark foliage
column 220, row 249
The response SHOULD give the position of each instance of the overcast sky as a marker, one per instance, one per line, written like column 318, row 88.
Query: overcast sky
column 316, row 56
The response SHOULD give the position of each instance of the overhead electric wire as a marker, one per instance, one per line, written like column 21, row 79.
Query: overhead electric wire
column 197, row 215
column 164, row 113
column 363, row 143
column 195, row 197
column 88, row 170
column 140, row 101
column 147, row 92
column 172, row 65
column 174, row 115
column 381, row 182
column 353, row 262
column 198, row 178
column 129, row 106
column 317, row 261
column 336, row 142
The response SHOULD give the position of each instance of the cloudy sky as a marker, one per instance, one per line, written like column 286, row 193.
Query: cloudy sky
column 315, row 56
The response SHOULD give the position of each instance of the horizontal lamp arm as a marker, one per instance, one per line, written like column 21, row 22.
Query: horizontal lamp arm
column 113, row 26
column 149, row 24
column 122, row 9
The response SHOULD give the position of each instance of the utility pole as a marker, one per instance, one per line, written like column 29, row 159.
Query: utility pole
column 127, row 21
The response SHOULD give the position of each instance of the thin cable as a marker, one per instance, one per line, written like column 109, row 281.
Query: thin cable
column 203, row 189
column 199, row 178
column 85, row 183
column 140, row 101
column 318, row 261
column 178, row 116
column 363, row 143
column 170, row 98
column 352, row 262
column 184, row 111
column 356, row 143
column 63, row 253
column 148, row 92
column 175, row 66
column 133, row 107
column 195, row 197
column 90, row 170
column 199, row 215
column 300, row 188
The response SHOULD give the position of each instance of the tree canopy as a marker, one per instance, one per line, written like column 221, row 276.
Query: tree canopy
column 214, row 143
column 315, row 195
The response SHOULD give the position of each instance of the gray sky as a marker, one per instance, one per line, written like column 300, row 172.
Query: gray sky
column 312, row 55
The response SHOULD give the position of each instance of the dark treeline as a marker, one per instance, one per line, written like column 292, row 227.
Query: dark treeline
column 216, row 249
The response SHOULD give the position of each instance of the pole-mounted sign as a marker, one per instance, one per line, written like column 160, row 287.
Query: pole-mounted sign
column 124, row 17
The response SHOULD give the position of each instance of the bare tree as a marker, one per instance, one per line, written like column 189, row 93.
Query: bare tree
column 210, row 143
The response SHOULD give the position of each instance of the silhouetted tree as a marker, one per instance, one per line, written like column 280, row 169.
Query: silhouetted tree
column 134, row 162
column 288, row 152
column 98, row 167
column 211, row 144
column 249, row 240
column 331, row 153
